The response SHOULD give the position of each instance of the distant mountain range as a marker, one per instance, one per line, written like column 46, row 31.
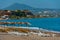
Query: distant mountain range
column 18, row 6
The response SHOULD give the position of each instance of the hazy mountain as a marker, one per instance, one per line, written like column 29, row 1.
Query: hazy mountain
column 17, row 6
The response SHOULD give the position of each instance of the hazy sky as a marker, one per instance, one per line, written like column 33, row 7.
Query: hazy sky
column 34, row 3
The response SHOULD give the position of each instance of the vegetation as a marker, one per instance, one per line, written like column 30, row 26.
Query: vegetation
column 19, row 14
column 15, row 29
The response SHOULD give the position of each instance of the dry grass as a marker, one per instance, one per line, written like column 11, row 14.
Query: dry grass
column 14, row 29
column 6, row 29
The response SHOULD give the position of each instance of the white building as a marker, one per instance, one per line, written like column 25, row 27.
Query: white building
column 5, row 17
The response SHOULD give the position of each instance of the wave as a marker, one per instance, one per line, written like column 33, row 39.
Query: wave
column 49, row 30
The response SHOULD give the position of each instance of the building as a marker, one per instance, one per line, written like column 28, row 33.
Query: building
column 4, row 14
column 28, row 13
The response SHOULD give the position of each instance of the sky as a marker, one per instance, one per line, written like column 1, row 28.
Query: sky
column 53, row 4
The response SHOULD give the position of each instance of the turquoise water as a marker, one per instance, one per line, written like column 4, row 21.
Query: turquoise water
column 44, row 23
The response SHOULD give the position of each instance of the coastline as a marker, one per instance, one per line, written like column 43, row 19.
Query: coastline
column 32, row 28
column 27, row 32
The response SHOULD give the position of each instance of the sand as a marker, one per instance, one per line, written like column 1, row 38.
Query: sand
column 29, row 37
column 6, row 36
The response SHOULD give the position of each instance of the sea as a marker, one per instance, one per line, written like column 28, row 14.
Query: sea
column 50, row 24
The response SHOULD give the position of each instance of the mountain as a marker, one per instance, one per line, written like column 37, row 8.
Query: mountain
column 17, row 6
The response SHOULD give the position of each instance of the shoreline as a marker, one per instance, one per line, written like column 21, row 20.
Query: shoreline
column 23, row 31
column 32, row 28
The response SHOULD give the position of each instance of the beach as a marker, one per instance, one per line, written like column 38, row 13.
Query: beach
column 30, row 37
column 10, row 34
column 29, row 20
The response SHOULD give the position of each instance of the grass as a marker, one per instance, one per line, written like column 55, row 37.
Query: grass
column 15, row 29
